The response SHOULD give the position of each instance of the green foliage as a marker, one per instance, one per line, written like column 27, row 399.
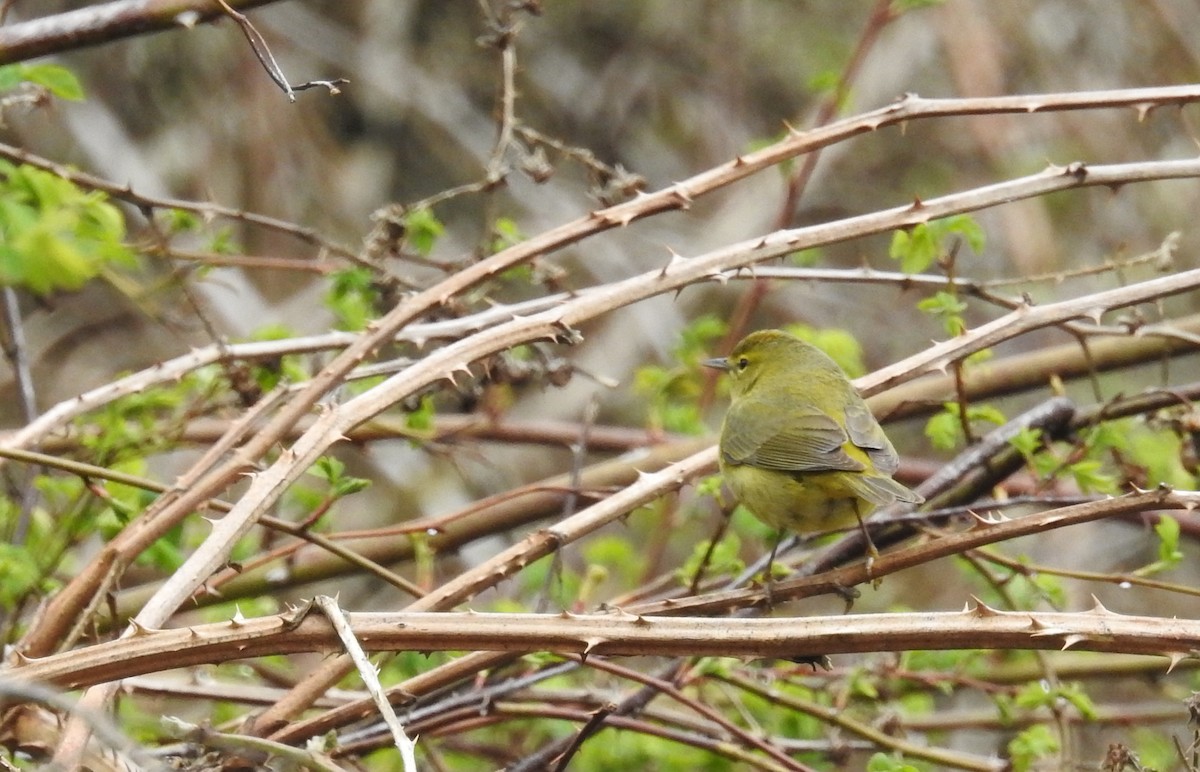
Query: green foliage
column 337, row 485
column 53, row 235
column 673, row 393
column 840, row 345
column 1169, row 555
column 724, row 559
column 805, row 258
column 1031, row 746
column 268, row 374
column 1039, row 695
column 333, row 472
column 1090, row 476
column 919, row 247
column 1155, row 749
column 505, row 233
column 945, row 429
column 619, row 751
column 421, row 419
column 56, row 79
column 20, row 574
column 422, row 230
column 904, row 6
column 1028, row 589
column 1027, row 441
column 1154, row 449
column 883, row 762
column 142, row 422
column 709, row 486
column 947, row 307
column 618, row 555
column 353, row 298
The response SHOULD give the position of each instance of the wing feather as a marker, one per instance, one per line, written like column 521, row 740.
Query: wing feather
column 777, row 434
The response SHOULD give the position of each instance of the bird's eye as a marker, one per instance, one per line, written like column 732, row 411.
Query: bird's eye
column 743, row 363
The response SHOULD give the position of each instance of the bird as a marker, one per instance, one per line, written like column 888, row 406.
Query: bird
column 799, row 447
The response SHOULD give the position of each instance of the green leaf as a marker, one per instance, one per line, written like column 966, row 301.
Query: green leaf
column 723, row 559
column 53, row 235
column 919, row 247
column 882, row 762
column 1169, row 555
column 916, row 250
column 352, row 296
column 947, row 307
column 505, row 233
column 58, row 79
column 1090, row 477
column 944, row 429
column 1167, row 529
column 19, row 574
column 423, row 229
column 1027, row 441
column 1033, row 745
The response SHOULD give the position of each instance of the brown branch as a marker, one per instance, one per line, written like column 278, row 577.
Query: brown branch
column 104, row 23
column 619, row 634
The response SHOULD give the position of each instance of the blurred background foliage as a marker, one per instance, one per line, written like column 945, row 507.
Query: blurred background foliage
column 649, row 89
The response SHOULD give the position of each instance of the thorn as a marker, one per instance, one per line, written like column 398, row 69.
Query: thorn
column 1042, row 631
column 139, row 629
column 1175, row 658
column 1072, row 639
column 916, row 204
column 682, row 196
column 21, row 658
column 994, row 517
column 591, row 643
column 1098, row 607
column 622, row 218
column 238, row 620
column 792, row 130
column 675, row 260
column 982, row 609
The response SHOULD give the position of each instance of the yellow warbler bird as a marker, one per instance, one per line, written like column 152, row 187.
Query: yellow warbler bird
column 799, row 447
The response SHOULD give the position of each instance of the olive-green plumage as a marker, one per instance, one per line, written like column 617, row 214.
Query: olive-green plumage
column 799, row 447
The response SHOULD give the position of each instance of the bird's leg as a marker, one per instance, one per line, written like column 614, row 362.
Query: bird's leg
column 872, row 552
column 769, row 584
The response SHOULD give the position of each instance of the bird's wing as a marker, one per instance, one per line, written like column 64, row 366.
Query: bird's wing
column 777, row 434
column 879, row 489
column 866, row 433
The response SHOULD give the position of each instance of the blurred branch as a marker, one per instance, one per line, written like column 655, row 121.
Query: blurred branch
column 106, row 22
column 263, row 52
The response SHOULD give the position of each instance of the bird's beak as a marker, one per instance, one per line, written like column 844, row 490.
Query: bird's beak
column 720, row 363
